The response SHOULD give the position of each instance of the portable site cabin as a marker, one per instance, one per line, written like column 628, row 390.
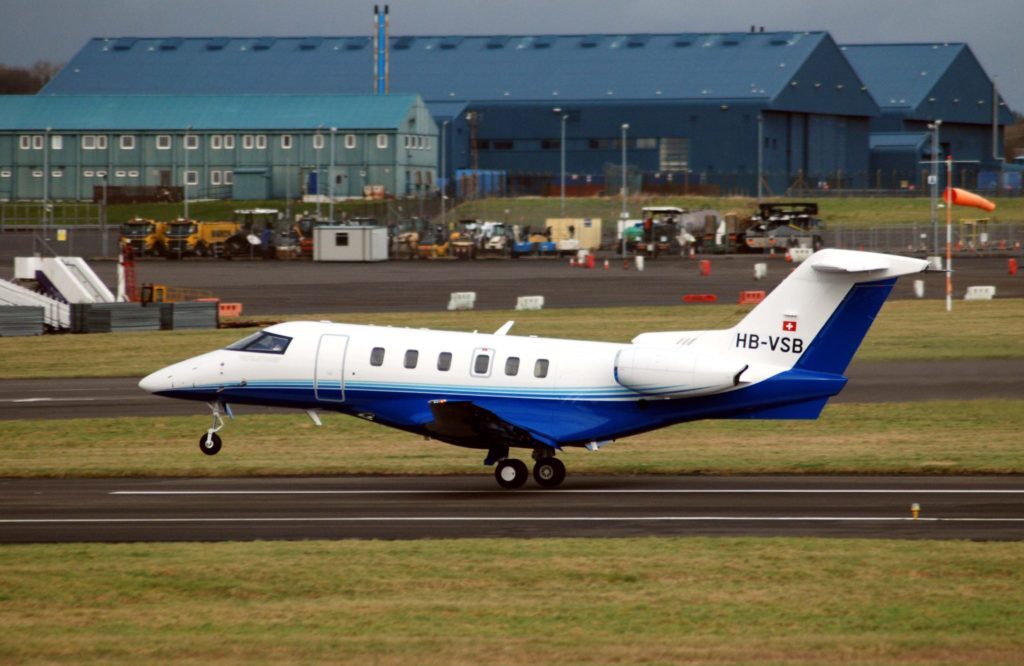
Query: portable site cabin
column 350, row 243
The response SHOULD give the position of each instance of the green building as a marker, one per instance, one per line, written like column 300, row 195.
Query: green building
column 217, row 146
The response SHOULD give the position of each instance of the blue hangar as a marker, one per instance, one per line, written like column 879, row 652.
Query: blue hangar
column 700, row 108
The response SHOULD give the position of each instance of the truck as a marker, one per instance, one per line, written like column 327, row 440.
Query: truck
column 784, row 225
column 201, row 239
column 658, row 232
column 147, row 237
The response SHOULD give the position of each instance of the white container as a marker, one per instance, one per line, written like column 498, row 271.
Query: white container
column 343, row 243
column 919, row 288
column 760, row 271
column 640, row 262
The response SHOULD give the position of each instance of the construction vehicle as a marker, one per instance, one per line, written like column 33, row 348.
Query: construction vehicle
column 782, row 226
column 146, row 237
column 660, row 230
column 256, row 234
column 201, row 239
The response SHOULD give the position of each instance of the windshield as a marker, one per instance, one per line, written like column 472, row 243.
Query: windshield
column 262, row 342
column 135, row 229
column 181, row 229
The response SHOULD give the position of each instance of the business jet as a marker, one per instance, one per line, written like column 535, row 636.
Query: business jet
column 498, row 392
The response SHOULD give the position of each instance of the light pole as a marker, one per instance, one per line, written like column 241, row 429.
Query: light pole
column 933, row 173
column 625, row 214
column 184, row 145
column 330, row 176
column 46, row 182
column 561, row 145
column 443, row 179
column 318, row 143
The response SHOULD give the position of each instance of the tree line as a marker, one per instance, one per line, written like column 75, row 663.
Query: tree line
column 26, row 80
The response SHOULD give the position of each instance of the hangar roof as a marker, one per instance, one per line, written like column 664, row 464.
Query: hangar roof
column 926, row 81
column 203, row 112
column 757, row 67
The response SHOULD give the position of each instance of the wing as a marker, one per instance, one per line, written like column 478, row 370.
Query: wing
column 464, row 423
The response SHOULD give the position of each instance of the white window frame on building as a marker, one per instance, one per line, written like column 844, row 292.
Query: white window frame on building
column 37, row 142
column 132, row 173
column 88, row 142
column 229, row 177
column 5, row 173
column 216, row 142
column 318, row 141
column 191, row 177
column 215, row 177
column 56, row 142
column 57, row 173
column 382, row 141
column 101, row 174
column 261, row 142
column 286, row 142
column 191, row 142
column 163, row 141
column 229, row 142
column 37, row 173
column 408, row 141
column 127, row 142
column 120, row 173
column 88, row 174
column 25, row 142
column 350, row 141
column 248, row 141
column 101, row 142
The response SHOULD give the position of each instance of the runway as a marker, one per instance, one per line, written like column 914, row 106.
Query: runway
column 898, row 381
column 106, row 510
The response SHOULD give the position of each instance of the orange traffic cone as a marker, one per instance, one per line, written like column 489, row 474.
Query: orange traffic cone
column 606, row 264
column 958, row 197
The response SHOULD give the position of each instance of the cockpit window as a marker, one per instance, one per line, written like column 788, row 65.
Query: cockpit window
column 262, row 342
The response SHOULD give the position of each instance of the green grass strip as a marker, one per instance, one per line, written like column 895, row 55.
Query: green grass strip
column 542, row 601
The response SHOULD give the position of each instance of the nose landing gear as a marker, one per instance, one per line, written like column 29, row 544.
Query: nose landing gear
column 210, row 442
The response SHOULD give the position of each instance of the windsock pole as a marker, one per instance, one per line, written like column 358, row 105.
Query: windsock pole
column 949, row 236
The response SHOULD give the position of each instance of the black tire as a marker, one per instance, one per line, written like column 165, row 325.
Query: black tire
column 511, row 473
column 549, row 472
column 202, row 250
column 213, row 447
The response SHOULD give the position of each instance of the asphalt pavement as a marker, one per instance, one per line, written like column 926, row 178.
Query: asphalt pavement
column 64, row 510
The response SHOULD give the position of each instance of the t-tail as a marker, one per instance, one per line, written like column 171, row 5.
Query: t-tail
column 804, row 334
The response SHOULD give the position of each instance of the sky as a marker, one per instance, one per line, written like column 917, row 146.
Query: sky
column 54, row 30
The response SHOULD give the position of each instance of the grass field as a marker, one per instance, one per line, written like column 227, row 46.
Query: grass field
column 849, row 212
column 895, row 438
column 913, row 330
column 594, row 601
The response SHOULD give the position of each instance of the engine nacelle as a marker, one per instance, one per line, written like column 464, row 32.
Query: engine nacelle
column 671, row 372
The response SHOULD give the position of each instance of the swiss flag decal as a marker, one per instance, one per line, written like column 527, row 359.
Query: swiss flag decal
column 789, row 326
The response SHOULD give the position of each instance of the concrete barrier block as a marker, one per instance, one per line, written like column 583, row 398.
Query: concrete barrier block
column 980, row 293
column 530, row 303
column 462, row 300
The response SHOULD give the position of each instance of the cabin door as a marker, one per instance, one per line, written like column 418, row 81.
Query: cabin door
column 329, row 377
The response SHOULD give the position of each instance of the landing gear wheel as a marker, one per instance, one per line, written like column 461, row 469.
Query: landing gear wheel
column 213, row 446
column 549, row 472
column 511, row 473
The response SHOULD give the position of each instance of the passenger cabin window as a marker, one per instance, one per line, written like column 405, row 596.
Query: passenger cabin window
column 444, row 361
column 540, row 368
column 512, row 366
column 377, row 356
column 412, row 357
column 263, row 343
column 482, row 362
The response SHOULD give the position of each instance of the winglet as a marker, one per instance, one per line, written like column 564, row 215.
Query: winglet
column 505, row 328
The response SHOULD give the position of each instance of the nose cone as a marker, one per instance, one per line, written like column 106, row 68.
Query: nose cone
column 161, row 380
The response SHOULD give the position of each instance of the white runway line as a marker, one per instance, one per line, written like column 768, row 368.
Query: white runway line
column 506, row 519
column 625, row 491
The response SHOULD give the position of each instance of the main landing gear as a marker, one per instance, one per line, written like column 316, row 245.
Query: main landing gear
column 210, row 442
column 548, row 471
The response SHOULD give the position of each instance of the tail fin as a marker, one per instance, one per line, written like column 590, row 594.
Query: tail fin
column 816, row 319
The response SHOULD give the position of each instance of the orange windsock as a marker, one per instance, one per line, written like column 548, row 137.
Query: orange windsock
column 958, row 197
